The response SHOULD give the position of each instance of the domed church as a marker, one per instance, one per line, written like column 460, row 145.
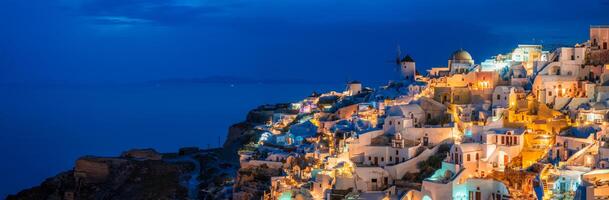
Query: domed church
column 460, row 62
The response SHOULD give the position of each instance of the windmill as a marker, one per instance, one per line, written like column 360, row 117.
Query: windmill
column 397, row 62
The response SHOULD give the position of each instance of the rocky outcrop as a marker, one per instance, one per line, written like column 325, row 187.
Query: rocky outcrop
column 113, row 178
column 254, row 179
column 188, row 150
column 242, row 132
column 236, row 132
column 94, row 170
column 147, row 174
column 142, row 154
column 252, row 182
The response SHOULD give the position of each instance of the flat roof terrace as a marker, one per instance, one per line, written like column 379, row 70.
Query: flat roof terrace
column 599, row 26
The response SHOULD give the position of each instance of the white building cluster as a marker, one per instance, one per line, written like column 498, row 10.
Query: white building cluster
column 528, row 124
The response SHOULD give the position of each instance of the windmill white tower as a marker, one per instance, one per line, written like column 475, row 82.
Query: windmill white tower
column 405, row 66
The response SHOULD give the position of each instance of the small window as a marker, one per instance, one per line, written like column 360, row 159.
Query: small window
column 369, row 158
column 373, row 180
column 477, row 156
column 382, row 159
column 498, row 97
column 396, row 152
column 468, row 157
column 390, row 158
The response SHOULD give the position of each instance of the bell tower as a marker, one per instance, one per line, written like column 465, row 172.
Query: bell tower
column 397, row 141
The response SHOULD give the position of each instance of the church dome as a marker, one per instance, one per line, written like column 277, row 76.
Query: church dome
column 461, row 55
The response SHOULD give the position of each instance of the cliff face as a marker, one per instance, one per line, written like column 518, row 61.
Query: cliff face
column 241, row 132
column 252, row 182
column 145, row 174
column 113, row 178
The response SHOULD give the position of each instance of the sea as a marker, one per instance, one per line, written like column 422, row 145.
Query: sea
column 45, row 128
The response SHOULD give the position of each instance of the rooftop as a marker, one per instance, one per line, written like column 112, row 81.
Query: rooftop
column 580, row 132
column 407, row 58
column 518, row 131
column 599, row 26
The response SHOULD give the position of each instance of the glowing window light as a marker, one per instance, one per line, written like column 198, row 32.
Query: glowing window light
column 468, row 133
column 286, row 196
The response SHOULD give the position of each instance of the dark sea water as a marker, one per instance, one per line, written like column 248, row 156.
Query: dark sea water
column 44, row 129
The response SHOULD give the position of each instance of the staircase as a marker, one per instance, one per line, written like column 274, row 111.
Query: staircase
column 566, row 104
column 553, row 58
column 572, row 160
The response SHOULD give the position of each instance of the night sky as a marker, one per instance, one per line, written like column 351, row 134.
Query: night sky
column 101, row 41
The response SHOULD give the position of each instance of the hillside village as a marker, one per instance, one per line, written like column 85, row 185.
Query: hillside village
column 527, row 124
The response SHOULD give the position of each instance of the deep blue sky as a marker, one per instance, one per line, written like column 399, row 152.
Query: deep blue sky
column 139, row 40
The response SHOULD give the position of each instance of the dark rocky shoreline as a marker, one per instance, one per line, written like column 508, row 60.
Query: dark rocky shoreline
column 147, row 174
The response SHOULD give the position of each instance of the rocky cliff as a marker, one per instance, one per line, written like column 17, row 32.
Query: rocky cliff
column 146, row 174
column 113, row 178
